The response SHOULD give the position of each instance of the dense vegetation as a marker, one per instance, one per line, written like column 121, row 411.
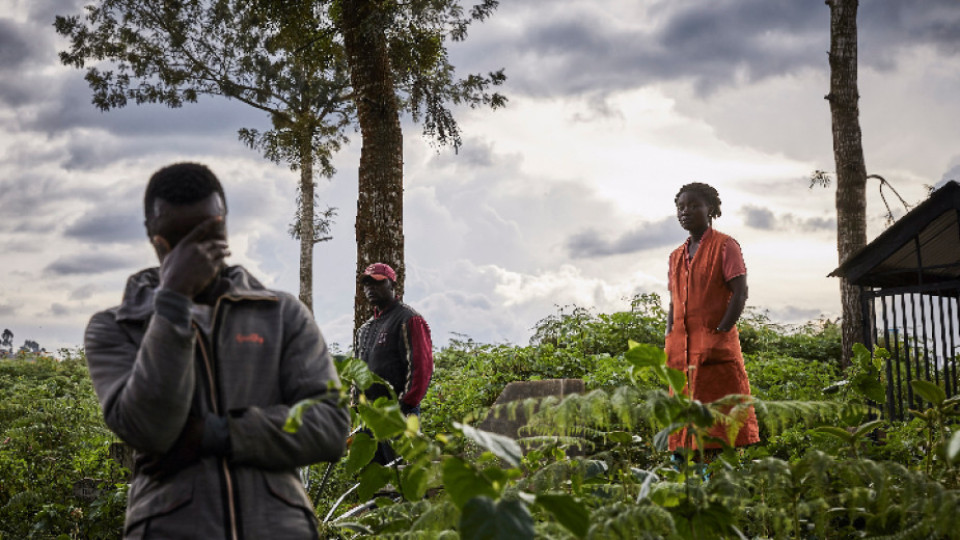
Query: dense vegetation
column 591, row 466
column 56, row 476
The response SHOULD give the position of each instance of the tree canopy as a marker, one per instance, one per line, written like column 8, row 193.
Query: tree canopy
column 288, row 59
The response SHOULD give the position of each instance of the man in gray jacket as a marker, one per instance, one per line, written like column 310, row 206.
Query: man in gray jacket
column 197, row 368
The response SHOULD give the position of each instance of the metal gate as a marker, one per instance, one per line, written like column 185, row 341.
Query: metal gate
column 919, row 327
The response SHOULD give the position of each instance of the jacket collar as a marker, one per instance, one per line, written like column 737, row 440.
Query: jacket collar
column 377, row 313
column 141, row 287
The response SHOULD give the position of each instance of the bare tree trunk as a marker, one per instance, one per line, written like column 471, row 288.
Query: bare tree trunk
column 306, row 222
column 848, row 154
column 379, row 224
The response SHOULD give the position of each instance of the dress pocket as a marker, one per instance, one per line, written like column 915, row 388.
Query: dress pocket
column 674, row 348
column 288, row 510
column 722, row 347
column 149, row 499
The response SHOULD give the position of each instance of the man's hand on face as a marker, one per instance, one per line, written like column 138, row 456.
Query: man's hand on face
column 196, row 260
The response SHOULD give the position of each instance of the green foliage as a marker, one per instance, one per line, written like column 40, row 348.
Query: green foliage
column 817, row 340
column 284, row 58
column 574, row 343
column 54, row 446
column 776, row 377
column 594, row 465
column 567, row 510
column 484, row 519
column 937, row 419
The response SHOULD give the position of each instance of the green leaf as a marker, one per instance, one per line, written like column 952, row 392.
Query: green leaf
column 410, row 447
column 361, row 452
column 295, row 415
column 593, row 469
column 620, row 437
column 482, row 519
column 698, row 414
column 642, row 355
column 835, row 432
column 463, row 482
column 953, row 448
column 385, row 422
column 383, row 502
column 867, row 428
column 666, row 494
column 851, row 415
column 571, row 513
column 505, row 448
column 861, row 356
column 929, row 391
column 354, row 371
column 869, row 385
column 661, row 441
column 879, row 355
column 442, row 516
column 835, row 387
column 413, row 479
column 374, row 477
column 353, row 527
column 675, row 378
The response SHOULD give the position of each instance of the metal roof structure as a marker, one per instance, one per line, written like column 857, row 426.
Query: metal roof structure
column 909, row 279
column 921, row 249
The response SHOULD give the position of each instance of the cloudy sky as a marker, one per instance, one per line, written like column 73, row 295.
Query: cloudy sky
column 564, row 197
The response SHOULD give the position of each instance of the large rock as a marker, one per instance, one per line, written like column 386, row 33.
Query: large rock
column 500, row 422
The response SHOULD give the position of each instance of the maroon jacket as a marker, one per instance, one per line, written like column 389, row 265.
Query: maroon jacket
column 395, row 344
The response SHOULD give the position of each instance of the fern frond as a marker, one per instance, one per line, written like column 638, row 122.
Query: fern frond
column 621, row 408
column 779, row 415
column 558, row 473
column 417, row 535
column 396, row 517
column 625, row 520
column 542, row 441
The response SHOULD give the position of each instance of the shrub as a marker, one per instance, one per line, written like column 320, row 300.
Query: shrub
column 53, row 442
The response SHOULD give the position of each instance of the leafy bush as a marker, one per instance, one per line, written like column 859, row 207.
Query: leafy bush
column 53, row 447
column 595, row 465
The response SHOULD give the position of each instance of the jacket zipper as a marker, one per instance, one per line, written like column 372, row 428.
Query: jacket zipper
column 231, row 502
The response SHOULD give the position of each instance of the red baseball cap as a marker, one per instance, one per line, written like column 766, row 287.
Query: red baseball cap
column 380, row 272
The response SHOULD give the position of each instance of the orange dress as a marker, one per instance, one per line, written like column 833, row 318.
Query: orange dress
column 712, row 361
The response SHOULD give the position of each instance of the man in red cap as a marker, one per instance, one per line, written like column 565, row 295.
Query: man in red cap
column 395, row 344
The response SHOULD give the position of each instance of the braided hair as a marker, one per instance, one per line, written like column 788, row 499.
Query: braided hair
column 706, row 192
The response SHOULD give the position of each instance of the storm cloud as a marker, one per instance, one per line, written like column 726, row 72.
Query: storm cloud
column 96, row 227
column 8, row 310
column 711, row 43
column 764, row 219
column 657, row 234
column 17, row 44
column 88, row 263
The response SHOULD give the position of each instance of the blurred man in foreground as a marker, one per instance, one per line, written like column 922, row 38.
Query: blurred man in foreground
column 197, row 368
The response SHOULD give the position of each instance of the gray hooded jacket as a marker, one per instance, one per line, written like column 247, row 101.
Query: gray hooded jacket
column 263, row 353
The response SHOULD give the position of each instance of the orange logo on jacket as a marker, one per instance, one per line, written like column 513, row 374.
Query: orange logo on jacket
column 250, row 338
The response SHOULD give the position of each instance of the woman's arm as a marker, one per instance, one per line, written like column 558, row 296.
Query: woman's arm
column 737, row 302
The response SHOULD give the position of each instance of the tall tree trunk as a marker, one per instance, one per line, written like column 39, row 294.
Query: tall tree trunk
column 306, row 221
column 848, row 154
column 379, row 224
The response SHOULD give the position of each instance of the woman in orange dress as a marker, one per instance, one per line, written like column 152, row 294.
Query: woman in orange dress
column 708, row 291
